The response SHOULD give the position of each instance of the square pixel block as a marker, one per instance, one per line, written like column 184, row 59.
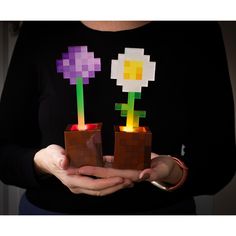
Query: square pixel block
column 84, row 147
column 132, row 149
column 133, row 70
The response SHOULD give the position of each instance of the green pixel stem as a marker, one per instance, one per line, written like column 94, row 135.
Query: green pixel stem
column 127, row 110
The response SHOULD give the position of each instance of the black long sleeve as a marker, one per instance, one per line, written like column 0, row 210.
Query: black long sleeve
column 210, row 140
column 189, row 105
column 19, row 139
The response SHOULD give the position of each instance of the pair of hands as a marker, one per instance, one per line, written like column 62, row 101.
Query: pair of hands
column 53, row 160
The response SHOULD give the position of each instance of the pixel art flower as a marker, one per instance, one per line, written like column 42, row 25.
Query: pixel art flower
column 133, row 70
column 78, row 62
column 78, row 65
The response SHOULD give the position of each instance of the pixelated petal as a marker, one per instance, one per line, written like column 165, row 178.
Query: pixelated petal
column 72, row 61
column 118, row 70
column 91, row 67
column 78, row 67
column 59, row 63
column 91, row 74
column 85, row 80
column 85, row 67
column 72, row 68
column 79, row 74
column 85, row 74
column 65, row 56
column 90, row 55
column 59, row 68
column 77, row 49
column 97, row 61
column 71, row 55
column 78, row 62
column 66, row 74
column 66, row 62
column 83, row 48
column 72, row 81
column 97, row 67
column 66, row 68
column 84, row 55
column 71, row 49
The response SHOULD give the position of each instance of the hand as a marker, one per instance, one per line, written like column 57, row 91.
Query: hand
column 163, row 170
column 108, row 171
column 53, row 160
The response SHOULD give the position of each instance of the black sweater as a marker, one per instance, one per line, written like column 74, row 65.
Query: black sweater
column 189, row 105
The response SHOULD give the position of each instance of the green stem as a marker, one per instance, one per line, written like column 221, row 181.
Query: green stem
column 80, row 102
column 130, row 111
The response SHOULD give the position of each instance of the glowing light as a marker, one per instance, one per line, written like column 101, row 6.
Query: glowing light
column 133, row 130
column 75, row 127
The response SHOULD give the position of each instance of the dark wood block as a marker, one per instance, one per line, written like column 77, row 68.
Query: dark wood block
column 132, row 149
column 84, row 147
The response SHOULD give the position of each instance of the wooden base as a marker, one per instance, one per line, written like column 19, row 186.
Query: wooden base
column 132, row 149
column 84, row 147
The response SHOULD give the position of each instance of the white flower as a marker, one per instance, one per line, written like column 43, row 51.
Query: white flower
column 133, row 70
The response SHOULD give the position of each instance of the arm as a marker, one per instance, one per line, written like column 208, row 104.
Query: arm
column 22, row 159
column 210, row 141
column 19, row 133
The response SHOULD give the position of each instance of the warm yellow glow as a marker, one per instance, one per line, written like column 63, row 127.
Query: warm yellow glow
column 132, row 130
column 133, row 70
column 128, row 129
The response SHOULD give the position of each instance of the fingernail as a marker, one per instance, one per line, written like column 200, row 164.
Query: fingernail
column 144, row 176
column 60, row 163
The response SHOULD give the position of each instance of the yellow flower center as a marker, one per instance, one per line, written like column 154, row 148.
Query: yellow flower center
column 133, row 70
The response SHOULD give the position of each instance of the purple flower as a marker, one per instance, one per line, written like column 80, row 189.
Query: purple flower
column 78, row 63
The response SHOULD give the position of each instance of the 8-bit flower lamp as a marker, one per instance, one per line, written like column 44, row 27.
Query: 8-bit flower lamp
column 82, row 141
column 132, row 71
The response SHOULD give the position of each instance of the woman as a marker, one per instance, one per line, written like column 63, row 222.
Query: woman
column 189, row 111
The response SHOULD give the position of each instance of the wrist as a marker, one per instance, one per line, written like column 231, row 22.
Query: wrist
column 175, row 174
column 176, row 178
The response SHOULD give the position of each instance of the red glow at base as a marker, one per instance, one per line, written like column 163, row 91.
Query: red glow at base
column 134, row 130
column 86, row 127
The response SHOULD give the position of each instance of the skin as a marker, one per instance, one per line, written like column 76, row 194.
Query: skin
column 53, row 160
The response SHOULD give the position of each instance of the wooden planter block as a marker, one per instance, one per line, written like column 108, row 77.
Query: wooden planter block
column 84, row 147
column 132, row 149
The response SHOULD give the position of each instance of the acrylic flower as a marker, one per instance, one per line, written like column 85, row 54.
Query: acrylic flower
column 133, row 70
column 78, row 63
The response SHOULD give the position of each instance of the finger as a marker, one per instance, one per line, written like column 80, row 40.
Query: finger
column 158, row 171
column 109, row 172
column 56, row 148
column 57, row 155
column 154, row 155
column 108, row 158
column 145, row 174
column 85, row 182
column 72, row 171
column 126, row 184
column 149, row 175
column 64, row 163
